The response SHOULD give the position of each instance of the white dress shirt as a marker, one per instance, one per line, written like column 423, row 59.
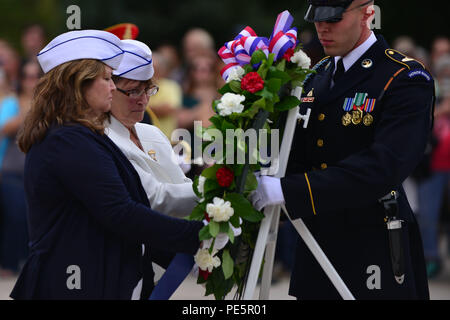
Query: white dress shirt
column 353, row 56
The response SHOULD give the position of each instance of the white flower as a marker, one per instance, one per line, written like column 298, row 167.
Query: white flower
column 219, row 210
column 236, row 74
column 201, row 184
column 207, row 261
column 230, row 103
column 222, row 238
column 301, row 59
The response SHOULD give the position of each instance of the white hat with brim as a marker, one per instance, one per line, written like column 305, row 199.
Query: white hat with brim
column 82, row 44
column 137, row 63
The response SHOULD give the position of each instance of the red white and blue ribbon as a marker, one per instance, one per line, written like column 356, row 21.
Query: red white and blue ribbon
column 283, row 37
column 239, row 51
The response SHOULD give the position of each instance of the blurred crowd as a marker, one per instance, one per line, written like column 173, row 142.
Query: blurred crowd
column 188, row 76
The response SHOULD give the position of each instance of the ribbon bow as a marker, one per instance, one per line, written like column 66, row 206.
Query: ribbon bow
column 238, row 52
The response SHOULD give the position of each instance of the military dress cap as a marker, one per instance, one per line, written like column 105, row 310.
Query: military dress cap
column 327, row 10
column 137, row 63
column 81, row 44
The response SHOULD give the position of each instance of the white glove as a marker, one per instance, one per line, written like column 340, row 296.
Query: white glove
column 268, row 192
column 222, row 238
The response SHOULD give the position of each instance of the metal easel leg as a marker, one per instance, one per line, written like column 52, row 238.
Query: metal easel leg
column 271, row 245
column 258, row 253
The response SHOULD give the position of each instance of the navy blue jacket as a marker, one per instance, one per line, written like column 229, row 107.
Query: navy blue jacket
column 339, row 167
column 87, row 209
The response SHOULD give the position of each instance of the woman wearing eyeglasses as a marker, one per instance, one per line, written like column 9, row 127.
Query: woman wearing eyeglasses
column 169, row 191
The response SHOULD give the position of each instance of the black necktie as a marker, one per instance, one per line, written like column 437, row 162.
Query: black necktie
column 340, row 70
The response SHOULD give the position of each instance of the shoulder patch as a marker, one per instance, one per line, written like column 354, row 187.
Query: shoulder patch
column 418, row 73
column 316, row 67
column 402, row 59
column 321, row 63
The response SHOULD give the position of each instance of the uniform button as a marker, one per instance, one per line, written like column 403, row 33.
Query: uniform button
column 323, row 166
column 321, row 117
column 320, row 143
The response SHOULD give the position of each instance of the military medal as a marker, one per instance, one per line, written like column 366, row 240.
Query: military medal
column 347, row 118
column 367, row 120
column 357, row 116
column 368, row 107
column 357, row 113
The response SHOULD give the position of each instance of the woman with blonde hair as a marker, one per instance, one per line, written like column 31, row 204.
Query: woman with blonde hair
column 88, row 213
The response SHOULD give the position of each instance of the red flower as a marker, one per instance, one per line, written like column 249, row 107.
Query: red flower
column 252, row 82
column 205, row 274
column 207, row 217
column 288, row 54
column 224, row 177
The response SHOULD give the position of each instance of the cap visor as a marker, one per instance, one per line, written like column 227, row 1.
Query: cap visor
column 318, row 14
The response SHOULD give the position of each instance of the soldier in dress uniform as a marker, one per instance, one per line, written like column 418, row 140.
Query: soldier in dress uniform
column 370, row 118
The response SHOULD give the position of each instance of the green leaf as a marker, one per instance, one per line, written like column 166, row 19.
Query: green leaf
column 252, row 111
column 224, row 227
column 237, row 168
column 216, row 120
column 265, row 93
column 257, row 57
column 270, row 59
column 283, row 76
column 248, row 68
column 235, row 86
column 214, row 228
column 263, row 70
column 227, row 125
column 250, row 182
column 243, row 207
column 260, row 103
column 234, row 220
column 226, row 88
column 204, row 233
column 195, row 187
column 269, row 106
column 281, row 65
column 210, row 173
column 227, row 264
column 273, row 85
column 211, row 188
column 287, row 103
column 198, row 213
column 230, row 233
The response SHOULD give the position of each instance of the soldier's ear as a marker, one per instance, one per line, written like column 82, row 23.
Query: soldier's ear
column 368, row 16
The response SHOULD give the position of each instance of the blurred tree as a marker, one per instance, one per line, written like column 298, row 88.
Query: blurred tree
column 16, row 15
column 163, row 21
